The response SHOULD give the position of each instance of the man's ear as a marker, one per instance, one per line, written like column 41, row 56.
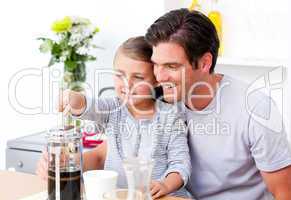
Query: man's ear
column 205, row 62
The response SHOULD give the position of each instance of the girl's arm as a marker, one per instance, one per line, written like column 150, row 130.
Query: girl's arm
column 171, row 183
column 98, row 110
column 95, row 159
column 179, row 164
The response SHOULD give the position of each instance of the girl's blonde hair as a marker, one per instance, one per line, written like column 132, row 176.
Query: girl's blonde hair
column 136, row 48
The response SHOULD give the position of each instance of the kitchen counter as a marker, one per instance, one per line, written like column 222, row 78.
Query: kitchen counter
column 16, row 185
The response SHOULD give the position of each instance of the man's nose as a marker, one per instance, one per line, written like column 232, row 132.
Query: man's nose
column 161, row 74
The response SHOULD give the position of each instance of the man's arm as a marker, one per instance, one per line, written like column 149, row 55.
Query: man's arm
column 95, row 159
column 270, row 148
column 279, row 183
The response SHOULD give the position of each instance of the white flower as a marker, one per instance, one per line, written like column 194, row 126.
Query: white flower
column 75, row 39
column 64, row 56
column 63, row 59
column 86, row 32
column 80, row 20
column 82, row 50
column 78, row 35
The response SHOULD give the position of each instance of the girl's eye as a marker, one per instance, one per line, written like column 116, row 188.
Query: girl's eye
column 139, row 77
column 118, row 75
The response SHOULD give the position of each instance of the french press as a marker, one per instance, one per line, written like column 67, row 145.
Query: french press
column 64, row 148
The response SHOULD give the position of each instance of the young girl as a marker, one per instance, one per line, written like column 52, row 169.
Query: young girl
column 135, row 124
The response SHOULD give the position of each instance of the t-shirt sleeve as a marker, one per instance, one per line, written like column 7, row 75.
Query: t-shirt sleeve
column 269, row 145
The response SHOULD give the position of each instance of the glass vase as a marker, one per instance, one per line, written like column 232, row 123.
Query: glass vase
column 74, row 79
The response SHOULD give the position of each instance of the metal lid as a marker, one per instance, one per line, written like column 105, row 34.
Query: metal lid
column 62, row 134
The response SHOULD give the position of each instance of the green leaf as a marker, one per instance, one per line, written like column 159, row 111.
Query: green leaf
column 97, row 47
column 70, row 65
column 52, row 61
column 64, row 42
column 56, row 50
column 96, row 30
column 84, row 58
column 79, row 57
column 91, row 58
column 44, row 39
column 41, row 38
column 46, row 46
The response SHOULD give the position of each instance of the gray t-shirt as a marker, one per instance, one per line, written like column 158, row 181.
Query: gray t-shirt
column 231, row 140
column 139, row 130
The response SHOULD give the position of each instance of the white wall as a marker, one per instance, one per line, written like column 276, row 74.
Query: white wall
column 23, row 21
column 252, row 29
column 255, row 33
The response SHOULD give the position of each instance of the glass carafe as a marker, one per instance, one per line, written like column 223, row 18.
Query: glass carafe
column 138, row 173
column 64, row 148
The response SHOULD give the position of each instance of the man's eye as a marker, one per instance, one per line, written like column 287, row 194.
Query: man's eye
column 171, row 67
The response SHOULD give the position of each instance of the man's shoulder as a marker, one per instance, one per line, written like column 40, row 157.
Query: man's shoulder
column 236, row 93
column 233, row 86
column 250, row 94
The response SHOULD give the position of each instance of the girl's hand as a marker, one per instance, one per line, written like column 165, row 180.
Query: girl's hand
column 71, row 101
column 158, row 189
column 42, row 166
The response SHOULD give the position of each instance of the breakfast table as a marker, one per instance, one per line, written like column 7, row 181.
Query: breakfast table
column 16, row 186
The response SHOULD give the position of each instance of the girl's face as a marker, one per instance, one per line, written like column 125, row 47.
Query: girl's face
column 134, row 79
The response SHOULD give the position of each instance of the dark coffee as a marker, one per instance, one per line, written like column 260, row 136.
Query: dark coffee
column 70, row 185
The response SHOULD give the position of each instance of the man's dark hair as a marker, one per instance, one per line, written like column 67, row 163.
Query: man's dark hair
column 190, row 29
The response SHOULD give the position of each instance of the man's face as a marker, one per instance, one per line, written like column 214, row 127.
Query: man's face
column 173, row 71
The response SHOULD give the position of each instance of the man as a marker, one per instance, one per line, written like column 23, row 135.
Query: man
column 236, row 153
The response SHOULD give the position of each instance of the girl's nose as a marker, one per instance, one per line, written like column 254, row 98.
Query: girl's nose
column 129, row 83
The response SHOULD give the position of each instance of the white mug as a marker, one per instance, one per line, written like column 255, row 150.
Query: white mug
column 98, row 182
